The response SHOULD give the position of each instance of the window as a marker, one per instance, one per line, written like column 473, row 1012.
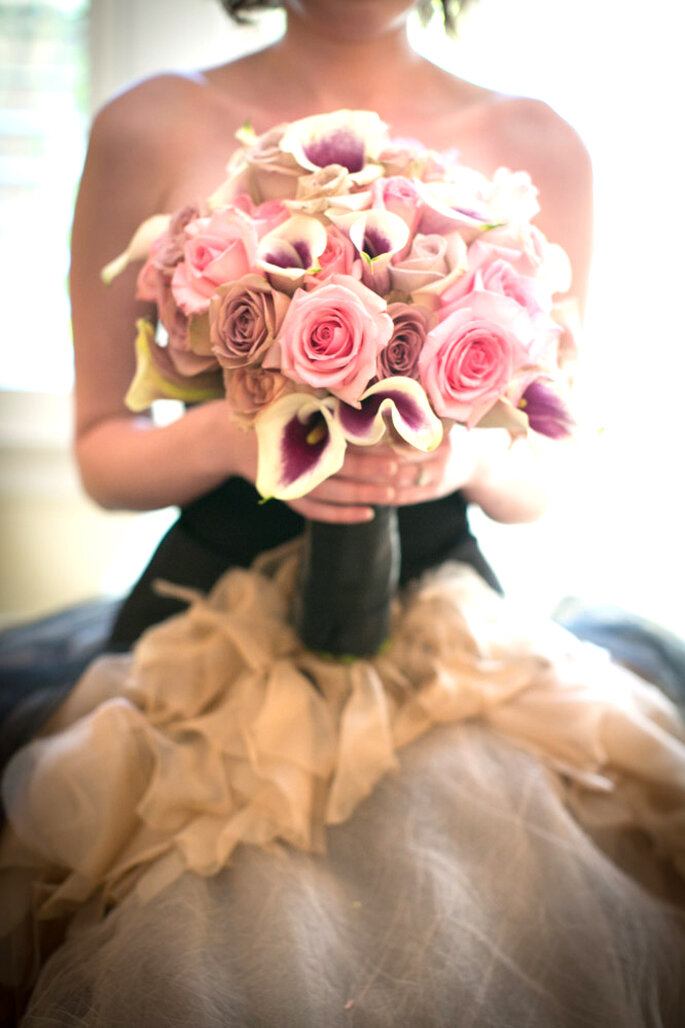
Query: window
column 43, row 112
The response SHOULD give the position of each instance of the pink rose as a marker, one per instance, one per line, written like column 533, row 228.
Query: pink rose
column 425, row 263
column 401, row 355
column 217, row 250
column 154, row 286
column 470, row 357
column 529, row 252
column 492, row 273
column 331, row 337
column 336, row 259
column 266, row 216
column 403, row 157
column 398, row 195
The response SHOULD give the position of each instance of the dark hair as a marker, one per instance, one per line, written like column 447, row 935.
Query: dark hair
column 451, row 9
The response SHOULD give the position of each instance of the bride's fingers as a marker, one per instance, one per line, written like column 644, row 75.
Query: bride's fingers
column 373, row 465
column 318, row 510
column 340, row 489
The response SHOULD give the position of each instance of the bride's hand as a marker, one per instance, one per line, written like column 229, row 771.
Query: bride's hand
column 378, row 475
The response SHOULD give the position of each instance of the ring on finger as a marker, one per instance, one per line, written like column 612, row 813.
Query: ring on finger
column 422, row 476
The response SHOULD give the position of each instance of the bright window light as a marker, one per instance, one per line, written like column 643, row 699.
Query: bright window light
column 43, row 100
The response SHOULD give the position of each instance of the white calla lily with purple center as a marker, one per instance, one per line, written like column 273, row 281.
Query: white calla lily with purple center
column 378, row 236
column 300, row 445
column 400, row 400
column 302, row 439
column 291, row 251
column 449, row 207
column 353, row 139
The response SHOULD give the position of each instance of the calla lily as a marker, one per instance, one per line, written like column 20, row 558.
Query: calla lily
column 300, row 445
column 378, row 235
column 353, row 139
column 448, row 206
column 342, row 206
column 503, row 414
column 235, row 184
column 406, row 404
column 139, row 248
column 546, row 411
column 291, row 251
column 156, row 379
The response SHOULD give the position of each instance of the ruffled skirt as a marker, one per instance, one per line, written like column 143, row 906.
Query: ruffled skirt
column 484, row 825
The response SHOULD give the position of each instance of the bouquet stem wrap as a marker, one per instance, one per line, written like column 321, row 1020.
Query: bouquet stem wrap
column 348, row 577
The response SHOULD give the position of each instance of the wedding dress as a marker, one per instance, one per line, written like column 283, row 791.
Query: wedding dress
column 482, row 826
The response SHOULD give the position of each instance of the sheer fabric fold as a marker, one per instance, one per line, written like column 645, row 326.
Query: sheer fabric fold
column 219, row 729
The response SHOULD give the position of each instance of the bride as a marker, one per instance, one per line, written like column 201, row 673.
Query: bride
column 504, row 807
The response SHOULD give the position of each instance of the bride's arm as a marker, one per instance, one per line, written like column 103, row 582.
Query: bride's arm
column 136, row 160
column 125, row 461
column 517, row 483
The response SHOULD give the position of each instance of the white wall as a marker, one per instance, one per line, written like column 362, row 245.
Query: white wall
column 614, row 69
column 132, row 39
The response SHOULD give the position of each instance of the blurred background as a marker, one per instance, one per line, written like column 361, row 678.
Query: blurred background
column 612, row 68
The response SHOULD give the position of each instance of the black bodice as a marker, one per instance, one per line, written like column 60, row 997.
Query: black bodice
column 229, row 527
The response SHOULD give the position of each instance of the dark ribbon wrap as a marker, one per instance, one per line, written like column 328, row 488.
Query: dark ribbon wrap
column 348, row 577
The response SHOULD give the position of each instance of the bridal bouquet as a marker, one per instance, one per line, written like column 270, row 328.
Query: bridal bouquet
column 345, row 287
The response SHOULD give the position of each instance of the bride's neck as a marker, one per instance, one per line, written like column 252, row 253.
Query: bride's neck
column 325, row 70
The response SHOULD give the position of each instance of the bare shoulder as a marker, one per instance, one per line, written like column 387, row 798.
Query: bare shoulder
column 492, row 129
column 536, row 137
column 147, row 113
column 528, row 135
column 150, row 128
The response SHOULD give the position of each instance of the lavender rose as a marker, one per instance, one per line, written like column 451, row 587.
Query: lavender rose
column 244, row 318
column 401, row 355
column 169, row 252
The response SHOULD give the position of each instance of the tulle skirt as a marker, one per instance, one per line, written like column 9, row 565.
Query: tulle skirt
column 483, row 826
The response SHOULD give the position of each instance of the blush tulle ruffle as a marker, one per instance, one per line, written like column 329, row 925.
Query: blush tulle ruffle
column 221, row 729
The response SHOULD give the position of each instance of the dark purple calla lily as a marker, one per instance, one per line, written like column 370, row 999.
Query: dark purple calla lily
column 546, row 411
